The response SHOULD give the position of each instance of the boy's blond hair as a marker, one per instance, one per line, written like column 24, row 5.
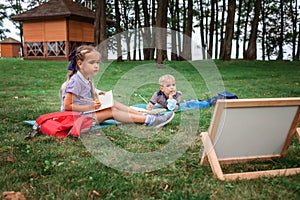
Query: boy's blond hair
column 164, row 78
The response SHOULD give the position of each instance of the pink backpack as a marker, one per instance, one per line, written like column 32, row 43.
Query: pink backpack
column 61, row 124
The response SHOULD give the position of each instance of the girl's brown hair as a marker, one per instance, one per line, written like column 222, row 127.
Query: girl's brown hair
column 79, row 54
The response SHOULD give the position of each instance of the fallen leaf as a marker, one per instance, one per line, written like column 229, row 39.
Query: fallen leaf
column 96, row 193
column 10, row 159
column 74, row 162
column 12, row 195
column 166, row 187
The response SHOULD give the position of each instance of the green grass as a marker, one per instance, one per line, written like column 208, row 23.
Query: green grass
column 51, row 168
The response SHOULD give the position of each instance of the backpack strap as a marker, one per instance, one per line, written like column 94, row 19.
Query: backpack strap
column 31, row 134
column 48, row 116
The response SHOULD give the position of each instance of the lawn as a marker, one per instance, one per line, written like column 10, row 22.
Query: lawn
column 93, row 167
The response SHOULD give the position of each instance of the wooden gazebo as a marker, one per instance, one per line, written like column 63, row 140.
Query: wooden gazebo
column 55, row 28
column 10, row 48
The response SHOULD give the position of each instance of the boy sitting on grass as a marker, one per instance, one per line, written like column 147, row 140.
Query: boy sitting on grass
column 167, row 95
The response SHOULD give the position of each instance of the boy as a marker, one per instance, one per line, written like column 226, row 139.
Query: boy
column 167, row 96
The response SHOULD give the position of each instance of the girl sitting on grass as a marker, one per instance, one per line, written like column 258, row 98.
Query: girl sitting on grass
column 79, row 86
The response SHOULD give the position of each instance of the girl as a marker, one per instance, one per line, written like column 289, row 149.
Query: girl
column 79, row 86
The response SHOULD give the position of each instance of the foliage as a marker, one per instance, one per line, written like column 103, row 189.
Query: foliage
column 3, row 16
column 128, row 20
column 50, row 168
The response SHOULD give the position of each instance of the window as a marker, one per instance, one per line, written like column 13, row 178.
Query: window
column 57, row 48
column 35, row 48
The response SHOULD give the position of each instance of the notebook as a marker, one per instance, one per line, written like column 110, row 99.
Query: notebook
column 107, row 101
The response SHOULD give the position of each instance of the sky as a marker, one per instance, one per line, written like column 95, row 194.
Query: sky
column 14, row 33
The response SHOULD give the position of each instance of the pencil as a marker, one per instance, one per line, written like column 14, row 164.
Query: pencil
column 88, row 100
column 143, row 98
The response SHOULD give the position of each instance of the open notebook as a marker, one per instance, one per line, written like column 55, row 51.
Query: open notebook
column 106, row 100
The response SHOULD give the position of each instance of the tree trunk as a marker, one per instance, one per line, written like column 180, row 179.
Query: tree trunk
column 246, row 29
column 183, row 13
column 280, row 54
column 263, row 47
column 118, row 31
column 187, row 53
column 100, row 29
column 161, row 32
column 297, row 57
column 206, row 31
column 217, row 30
column 136, row 22
column 203, row 43
column 238, row 31
column 294, row 20
column 97, row 24
column 179, row 48
column 226, row 54
column 127, row 36
column 153, row 42
column 211, row 27
column 147, row 32
column 173, row 31
column 222, row 28
column 251, row 51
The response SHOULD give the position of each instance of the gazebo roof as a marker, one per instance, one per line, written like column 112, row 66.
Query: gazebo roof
column 10, row 41
column 57, row 9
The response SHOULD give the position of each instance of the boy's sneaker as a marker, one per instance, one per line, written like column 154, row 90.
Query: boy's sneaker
column 161, row 120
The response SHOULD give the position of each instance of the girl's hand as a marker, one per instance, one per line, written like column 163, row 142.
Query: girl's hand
column 97, row 104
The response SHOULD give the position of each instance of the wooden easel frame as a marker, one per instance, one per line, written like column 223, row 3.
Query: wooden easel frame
column 209, row 140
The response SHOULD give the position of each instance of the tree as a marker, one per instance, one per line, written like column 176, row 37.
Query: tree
column 251, row 51
column 216, row 30
column 174, row 55
column 201, row 27
column 294, row 15
column 187, row 54
column 248, row 9
column 100, row 37
column 3, row 15
column 263, row 18
column 274, row 33
column 297, row 57
column 222, row 26
column 135, row 25
column 35, row 3
column 15, row 6
column 279, row 30
column 126, row 23
column 179, row 46
column 280, row 54
column 227, row 43
column 271, row 27
column 147, row 33
column 153, row 38
column 161, row 31
column 118, row 32
column 211, row 27
column 238, row 31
